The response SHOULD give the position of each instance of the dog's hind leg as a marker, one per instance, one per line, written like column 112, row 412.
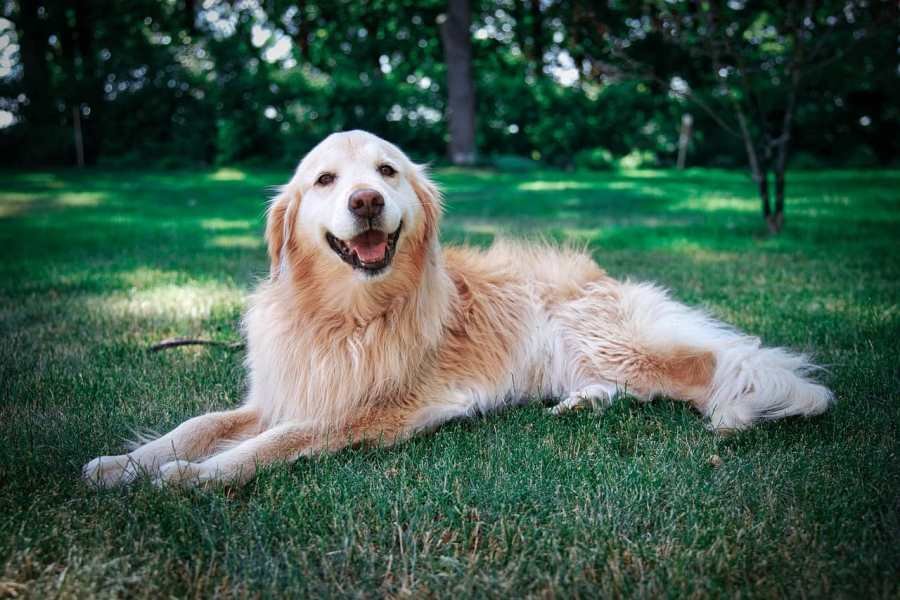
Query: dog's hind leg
column 595, row 396
column 651, row 345
column 195, row 438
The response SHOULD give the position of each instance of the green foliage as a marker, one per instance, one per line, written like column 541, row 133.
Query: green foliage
column 601, row 159
column 860, row 158
column 99, row 264
column 805, row 161
column 264, row 81
column 510, row 163
column 637, row 159
column 595, row 159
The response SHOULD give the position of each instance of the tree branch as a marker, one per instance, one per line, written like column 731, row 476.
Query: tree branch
column 688, row 94
column 177, row 342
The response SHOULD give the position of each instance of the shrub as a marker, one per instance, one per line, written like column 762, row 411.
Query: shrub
column 805, row 161
column 595, row 159
column 861, row 157
column 638, row 159
column 512, row 163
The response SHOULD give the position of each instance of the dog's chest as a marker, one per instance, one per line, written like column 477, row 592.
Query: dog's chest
column 326, row 374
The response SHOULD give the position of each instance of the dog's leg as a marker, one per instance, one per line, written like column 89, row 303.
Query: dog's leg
column 289, row 441
column 285, row 442
column 192, row 439
column 596, row 396
column 637, row 335
column 282, row 443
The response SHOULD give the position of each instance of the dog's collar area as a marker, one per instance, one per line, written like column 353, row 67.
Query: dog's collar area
column 347, row 253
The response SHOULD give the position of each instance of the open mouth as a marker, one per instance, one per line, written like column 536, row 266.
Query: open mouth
column 370, row 251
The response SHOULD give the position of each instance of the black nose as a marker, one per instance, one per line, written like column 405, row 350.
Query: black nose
column 366, row 204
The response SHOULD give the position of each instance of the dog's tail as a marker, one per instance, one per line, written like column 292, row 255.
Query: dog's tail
column 752, row 383
column 748, row 382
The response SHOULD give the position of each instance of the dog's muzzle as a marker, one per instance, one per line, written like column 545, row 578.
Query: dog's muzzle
column 371, row 251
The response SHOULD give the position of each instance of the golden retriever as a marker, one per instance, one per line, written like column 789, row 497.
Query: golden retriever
column 366, row 330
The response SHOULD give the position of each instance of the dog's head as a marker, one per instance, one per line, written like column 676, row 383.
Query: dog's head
column 357, row 204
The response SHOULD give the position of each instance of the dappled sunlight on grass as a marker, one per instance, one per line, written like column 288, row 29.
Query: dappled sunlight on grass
column 479, row 227
column 47, row 180
column 622, row 185
column 698, row 253
column 146, row 277
column 218, row 224
column 646, row 190
column 165, row 294
column 236, row 241
column 581, row 235
column 716, row 202
column 80, row 199
column 15, row 203
column 190, row 301
column 553, row 186
column 228, row 174
column 644, row 173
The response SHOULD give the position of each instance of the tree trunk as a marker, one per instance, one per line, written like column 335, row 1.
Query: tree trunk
column 776, row 221
column 460, row 88
column 190, row 16
column 79, row 140
column 684, row 139
column 759, row 173
column 303, row 32
column 83, row 88
column 762, row 183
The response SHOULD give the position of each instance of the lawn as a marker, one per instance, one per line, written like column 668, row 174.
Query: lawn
column 642, row 500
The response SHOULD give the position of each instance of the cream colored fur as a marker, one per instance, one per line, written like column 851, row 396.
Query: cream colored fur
column 338, row 357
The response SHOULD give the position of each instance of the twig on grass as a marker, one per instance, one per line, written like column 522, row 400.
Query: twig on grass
column 176, row 342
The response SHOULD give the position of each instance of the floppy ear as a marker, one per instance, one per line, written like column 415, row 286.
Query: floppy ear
column 429, row 195
column 280, row 219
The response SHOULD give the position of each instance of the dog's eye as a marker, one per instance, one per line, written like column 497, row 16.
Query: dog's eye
column 387, row 170
column 325, row 179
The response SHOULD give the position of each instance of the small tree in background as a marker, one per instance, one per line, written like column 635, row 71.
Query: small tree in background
column 747, row 65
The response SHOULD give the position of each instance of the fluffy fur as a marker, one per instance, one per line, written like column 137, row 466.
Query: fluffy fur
column 338, row 355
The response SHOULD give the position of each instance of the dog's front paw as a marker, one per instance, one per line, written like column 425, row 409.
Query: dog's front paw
column 180, row 473
column 110, row 471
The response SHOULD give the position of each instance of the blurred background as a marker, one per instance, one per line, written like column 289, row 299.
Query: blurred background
column 568, row 83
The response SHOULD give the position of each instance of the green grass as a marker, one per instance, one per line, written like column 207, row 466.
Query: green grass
column 97, row 265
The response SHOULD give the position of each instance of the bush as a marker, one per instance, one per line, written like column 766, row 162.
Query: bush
column 595, row 159
column 512, row 163
column 638, row 159
column 861, row 157
column 805, row 161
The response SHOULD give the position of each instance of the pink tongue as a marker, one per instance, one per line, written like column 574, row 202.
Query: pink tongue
column 370, row 246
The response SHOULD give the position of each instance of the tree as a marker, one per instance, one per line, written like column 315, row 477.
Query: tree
column 455, row 25
column 190, row 82
column 745, row 64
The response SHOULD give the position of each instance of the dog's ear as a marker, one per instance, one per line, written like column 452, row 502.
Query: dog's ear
column 280, row 219
column 429, row 195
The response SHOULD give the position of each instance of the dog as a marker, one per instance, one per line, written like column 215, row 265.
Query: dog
column 368, row 331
